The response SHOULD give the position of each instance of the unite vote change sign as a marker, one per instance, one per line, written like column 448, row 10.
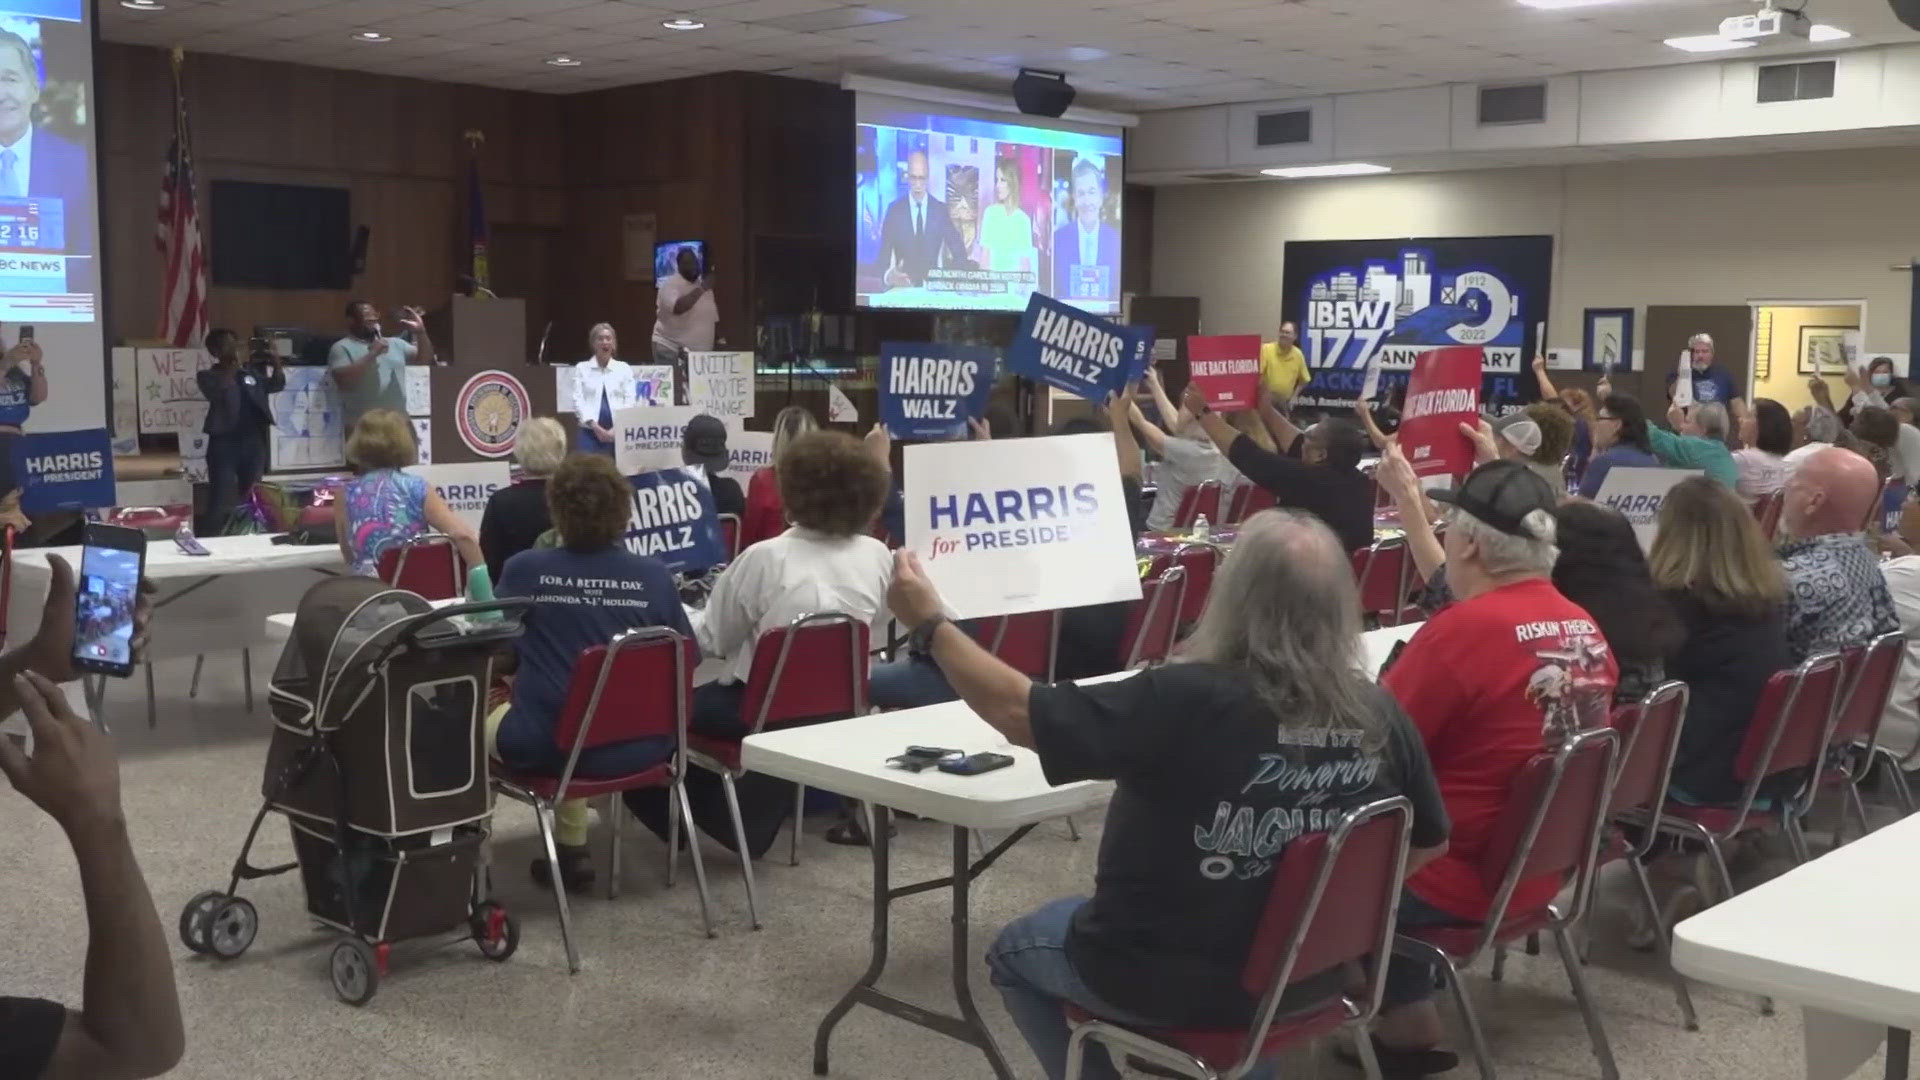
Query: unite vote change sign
column 1080, row 353
column 931, row 391
column 1226, row 369
column 1024, row 525
column 721, row 384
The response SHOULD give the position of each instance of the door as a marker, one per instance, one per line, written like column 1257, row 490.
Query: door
column 1670, row 327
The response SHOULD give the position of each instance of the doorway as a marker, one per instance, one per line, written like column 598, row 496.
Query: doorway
column 1797, row 341
column 1671, row 326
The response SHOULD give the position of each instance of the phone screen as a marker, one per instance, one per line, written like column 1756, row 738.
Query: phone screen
column 110, row 567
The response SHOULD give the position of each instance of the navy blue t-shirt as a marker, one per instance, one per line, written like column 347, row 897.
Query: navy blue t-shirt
column 579, row 601
column 16, row 397
column 1711, row 385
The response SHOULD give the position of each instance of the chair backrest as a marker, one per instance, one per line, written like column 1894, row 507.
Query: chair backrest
column 1201, row 498
column 1551, row 822
column 1248, row 500
column 1153, row 620
column 813, row 668
column 1651, row 730
column 1382, row 573
column 1199, row 561
column 1871, row 671
column 1793, row 723
column 428, row 564
column 1359, row 864
column 1766, row 511
column 636, row 686
column 1028, row 643
column 730, row 535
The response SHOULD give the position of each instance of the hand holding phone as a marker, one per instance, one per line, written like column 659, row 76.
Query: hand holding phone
column 111, row 565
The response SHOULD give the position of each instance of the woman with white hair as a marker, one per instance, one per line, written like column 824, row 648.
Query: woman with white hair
column 602, row 386
column 1274, row 668
column 516, row 515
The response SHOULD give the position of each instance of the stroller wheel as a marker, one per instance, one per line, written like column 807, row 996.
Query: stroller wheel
column 494, row 930
column 194, row 918
column 231, row 927
column 356, row 974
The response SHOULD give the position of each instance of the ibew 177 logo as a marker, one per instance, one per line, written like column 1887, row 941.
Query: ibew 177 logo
column 1398, row 310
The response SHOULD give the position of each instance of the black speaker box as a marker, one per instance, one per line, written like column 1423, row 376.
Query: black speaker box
column 1042, row 93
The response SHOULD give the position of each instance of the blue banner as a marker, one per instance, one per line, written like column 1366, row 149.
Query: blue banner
column 1080, row 353
column 674, row 520
column 64, row 470
column 930, row 391
column 1892, row 500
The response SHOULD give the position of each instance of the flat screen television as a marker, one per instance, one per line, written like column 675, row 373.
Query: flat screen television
column 667, row 254
column 281, row 236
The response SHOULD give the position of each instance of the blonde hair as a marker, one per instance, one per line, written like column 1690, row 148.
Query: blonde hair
column 790, row 423
column 1709, row 547
column 595, row 332
column 540, row 446
column 383, row 439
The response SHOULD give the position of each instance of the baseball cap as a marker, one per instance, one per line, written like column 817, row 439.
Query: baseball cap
column 706, row 444
column 1500, row 493
column 1521, row 431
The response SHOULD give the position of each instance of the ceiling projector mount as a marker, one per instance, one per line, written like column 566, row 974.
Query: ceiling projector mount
column 1771, row 21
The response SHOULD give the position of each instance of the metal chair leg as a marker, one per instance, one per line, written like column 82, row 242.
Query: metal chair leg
column 1363, row 1049
column 246, row 675
column 1859, row 806
column 740, row 837
column 193, row 688
column 1718, row 856
column 677, row 798
column 799, row 814
column 1499, row 963
column 1073, row 831
column 1476, row 1039
column 673, row 832
column 1533, row 944
column 1797, row 839
column 543, row 814
column 1680, row 992
column 1902, row 792
column 153, row 717
column 1595, row 1032
column 613, row 846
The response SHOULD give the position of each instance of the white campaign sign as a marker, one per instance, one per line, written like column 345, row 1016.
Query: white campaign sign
column 751, row 451
column 721, row 383
column 1023, row 525
column 1683, row 382
column 466, row 488
column 170, row 398
column 652, row 384
column 1639, row 493
column 649, row 437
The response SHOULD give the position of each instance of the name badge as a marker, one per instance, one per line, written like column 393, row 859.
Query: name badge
column 248, row 379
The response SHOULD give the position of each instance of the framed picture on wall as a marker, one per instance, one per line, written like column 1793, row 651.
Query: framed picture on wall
column 1824, row 350
column 1607, row 344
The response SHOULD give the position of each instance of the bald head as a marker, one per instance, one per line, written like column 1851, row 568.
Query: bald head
column 1831, row 492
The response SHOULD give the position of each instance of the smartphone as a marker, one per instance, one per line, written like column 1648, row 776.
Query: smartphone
column 975, row 764
column 190, row 544
column 111, row 563
column 26, row 333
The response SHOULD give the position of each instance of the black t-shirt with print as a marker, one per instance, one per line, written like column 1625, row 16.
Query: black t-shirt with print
column 29, row 1031
column 1210, row 789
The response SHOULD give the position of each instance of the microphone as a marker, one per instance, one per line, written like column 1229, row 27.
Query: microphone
column 540, row 355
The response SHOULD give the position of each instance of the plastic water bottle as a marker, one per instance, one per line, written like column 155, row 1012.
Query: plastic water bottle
column 1202, row 528
column 480, row 591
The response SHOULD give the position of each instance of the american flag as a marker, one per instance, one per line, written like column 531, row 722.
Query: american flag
column 183, row 304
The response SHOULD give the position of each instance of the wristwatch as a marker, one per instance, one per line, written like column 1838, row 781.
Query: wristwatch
column 920, row 638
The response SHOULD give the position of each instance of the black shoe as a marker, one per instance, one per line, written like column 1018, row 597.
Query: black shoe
column 1401, row 1064
column 576, row 870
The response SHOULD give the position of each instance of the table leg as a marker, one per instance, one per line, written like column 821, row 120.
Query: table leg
column 879, row 825
column 963, row 960
column 153, row 716
column 1899, row 1044
column 93, row 689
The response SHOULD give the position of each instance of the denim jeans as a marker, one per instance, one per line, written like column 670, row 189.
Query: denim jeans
column 1030, row 967
column 908, row 683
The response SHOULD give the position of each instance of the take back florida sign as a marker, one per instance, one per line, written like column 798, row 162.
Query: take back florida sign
column 1227, row 370
column 1021, row 525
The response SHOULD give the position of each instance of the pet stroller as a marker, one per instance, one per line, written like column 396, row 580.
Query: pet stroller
column 378, row 761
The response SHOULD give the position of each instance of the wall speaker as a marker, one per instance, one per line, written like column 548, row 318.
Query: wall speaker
column 357, row 254
column 1047, row 93
column 1907, row 11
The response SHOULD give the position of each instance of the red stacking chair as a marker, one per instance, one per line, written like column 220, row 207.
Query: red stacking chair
column 1201, row 498
column 1651, row 728
column 813, row 669
column 1550, row 827
column 633, row 688
column 428, row 565
column 1199, row 561
column 1028, row 643
column 1248, row 500
column 1766, row 511
column 730, row 535
column 1356, row 869
column 1384, row 573
column 1871, row 671
column 1153, row 622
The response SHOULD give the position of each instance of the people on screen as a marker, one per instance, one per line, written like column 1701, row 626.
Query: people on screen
column 34, row 162
column 370, row 368
column 1086, row 250
column 685, row 314
column 238, row 421
column 602, row 386
column 1006, row 230
column 918, row 234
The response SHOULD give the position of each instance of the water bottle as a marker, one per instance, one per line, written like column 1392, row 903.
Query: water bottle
column 1202, row 528
column 480, row 591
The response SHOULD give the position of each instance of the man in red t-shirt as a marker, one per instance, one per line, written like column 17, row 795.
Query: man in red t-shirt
column 1509, row 670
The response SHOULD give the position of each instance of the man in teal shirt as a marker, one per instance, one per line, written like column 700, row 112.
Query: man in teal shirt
column 1697, row 441
column 371, row 370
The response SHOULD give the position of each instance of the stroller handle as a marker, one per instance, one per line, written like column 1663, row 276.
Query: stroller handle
column 418, row 624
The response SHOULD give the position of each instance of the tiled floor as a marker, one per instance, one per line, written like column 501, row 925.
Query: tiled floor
column 657, row 999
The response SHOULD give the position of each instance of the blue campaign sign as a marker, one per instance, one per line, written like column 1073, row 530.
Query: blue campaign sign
column 1892, row 500
column 930, row 391
column 674, row 520
column 1080, row 353
column 64, row 470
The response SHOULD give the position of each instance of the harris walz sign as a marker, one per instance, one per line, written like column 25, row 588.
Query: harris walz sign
column 1358, row 302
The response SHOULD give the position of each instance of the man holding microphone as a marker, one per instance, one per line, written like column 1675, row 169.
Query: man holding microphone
column 685, row 313
column 370, row 369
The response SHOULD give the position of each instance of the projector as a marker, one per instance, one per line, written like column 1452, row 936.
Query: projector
column 1768, row 22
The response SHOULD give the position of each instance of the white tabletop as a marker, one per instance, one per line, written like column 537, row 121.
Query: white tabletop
column 229, row 555
column 1378, row 644
column 1834, row 936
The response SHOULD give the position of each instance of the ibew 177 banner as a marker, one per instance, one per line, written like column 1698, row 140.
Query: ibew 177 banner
column 674, row 520
column 1358, row 302
column 648, row 437
column 1080, row 353
column 1226, row 369
column 1026, row 525
column 931, row 391
column 1443, row 394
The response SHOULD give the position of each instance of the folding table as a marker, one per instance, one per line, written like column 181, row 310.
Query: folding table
column 849, row 757
column 1836, row 938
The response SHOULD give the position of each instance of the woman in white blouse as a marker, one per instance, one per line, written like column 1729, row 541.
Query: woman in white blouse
column 1766, row 434
column 602, row 386
column 1006, row 232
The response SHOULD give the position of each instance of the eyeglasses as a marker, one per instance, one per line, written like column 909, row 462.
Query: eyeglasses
column 1604, row 416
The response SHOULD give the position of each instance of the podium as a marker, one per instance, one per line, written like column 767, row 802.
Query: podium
column 475, row 418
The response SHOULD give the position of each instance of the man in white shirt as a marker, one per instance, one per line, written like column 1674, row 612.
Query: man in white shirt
column 685, row 314
column 1900, row 724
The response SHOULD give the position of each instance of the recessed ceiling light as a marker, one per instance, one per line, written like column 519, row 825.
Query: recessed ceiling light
column 1822, row 32
column 1706, row 43
column 562, row 61
column 143, row 5
column 684, row 24
column 1304, row 172
column 374, row 36
column 1556, row 5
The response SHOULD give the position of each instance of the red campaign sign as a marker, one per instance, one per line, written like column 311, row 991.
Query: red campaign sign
column 1227, row 370
column 1443, row 393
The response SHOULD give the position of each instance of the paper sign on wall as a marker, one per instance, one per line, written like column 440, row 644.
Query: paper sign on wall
column 563, row 388
column 1226, row 369
column 721, row 383
column 650, row 437
column 170, row 398
column 307, row 431
column 674, row 520
column 751, row 451
column 193, row 458
column 423, row 439
column 419, row 390
column 1027, row 525
column 1639, row 493
column 931, row 391
column 652, row 384
column 126, row 404
column 1443, row 393
column 840, row 408
column 1080, row 353
column 465, row 488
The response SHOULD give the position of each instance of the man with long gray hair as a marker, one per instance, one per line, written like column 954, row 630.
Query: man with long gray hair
column 1263, row 729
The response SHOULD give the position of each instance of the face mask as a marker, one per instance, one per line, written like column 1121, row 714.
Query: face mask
column 1882, row 379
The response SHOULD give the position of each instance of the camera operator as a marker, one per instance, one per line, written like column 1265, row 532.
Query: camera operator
column 238, row 416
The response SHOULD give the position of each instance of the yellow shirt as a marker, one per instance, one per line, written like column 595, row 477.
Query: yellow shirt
column 1283, row 374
